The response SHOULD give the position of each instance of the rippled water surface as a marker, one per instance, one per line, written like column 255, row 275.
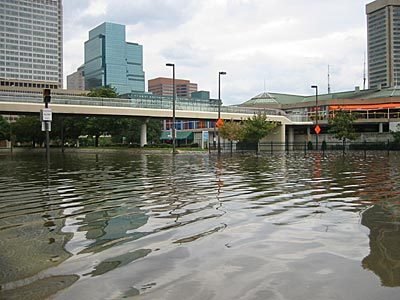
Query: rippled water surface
column 194, row 226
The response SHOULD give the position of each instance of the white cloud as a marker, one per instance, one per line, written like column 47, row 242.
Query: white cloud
column 286, row 42
column 96, row 8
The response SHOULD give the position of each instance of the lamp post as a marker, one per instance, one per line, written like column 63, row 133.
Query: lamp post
column 219, row 107
column 173, row 106
column 316, row 114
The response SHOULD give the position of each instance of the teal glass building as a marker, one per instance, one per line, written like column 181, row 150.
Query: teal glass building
column 111, row 61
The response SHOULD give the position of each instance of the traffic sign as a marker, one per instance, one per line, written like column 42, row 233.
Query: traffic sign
column 46, row 115
column 317, row 129
column 220, row 123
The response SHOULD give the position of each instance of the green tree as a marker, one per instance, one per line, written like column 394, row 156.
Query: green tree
column 72, row 126
column 103, row 92
column 4, row 129
column 28, row 129
column 96, row 126
column 257, row 127
column 341, row 126
column 154, row 129
column 119, row 127
column 232, row 131
column 132, row 127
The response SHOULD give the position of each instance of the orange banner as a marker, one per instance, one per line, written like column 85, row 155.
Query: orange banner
column 364, row 106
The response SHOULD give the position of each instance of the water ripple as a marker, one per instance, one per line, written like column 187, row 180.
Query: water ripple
column 93, row 216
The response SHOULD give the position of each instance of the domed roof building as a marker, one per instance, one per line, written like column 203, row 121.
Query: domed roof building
column 272, row 100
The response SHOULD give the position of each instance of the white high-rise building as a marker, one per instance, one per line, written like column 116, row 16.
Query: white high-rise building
column 31, row 43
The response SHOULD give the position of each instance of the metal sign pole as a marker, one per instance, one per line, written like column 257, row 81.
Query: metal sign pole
column 46, row 118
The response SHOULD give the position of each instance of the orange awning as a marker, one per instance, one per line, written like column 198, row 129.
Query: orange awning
column 364, row 106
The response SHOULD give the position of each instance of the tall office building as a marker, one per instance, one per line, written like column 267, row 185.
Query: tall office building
column 383, row 19
column 164, row 87
column 31, row 43
column 111, row 61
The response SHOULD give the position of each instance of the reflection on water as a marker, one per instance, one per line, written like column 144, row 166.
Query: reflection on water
column 109, row 226
column 384, row 259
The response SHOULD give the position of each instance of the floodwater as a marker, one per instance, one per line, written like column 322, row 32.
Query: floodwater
column 194, row 226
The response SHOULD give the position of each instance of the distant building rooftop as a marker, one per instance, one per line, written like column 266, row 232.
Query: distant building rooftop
column 285, row 101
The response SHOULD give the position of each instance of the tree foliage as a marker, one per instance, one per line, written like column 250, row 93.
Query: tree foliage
column 97, row 126
column 131, row 129
column 120, row 128
column 4, row 129
column 257, row 127
column 103, row 92
column 232, row 131
column 28, row 129
column 342, row 126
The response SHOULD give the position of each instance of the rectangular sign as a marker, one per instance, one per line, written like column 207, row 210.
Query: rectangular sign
column 46, row 124
column 46, row 115
column 204, row 135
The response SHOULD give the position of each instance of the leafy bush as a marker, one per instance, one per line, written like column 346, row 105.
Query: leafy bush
column 134, row 145
column 194, row 145
column 158, row 146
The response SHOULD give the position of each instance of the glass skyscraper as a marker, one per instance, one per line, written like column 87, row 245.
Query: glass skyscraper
column 31, row 43
column 383, row 17
column 111, row 61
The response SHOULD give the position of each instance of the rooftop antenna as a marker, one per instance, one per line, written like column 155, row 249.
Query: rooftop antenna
column 329, row 81
column 364, row 75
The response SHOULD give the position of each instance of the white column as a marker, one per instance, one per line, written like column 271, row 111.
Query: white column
column 308, row 134
column 143, row 133
column 283, row 133
column 291, row 138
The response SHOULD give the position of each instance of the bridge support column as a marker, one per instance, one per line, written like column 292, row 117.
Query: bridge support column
column 290, row 138
column 283, row 136
column 380, row 127
column 143, row 133
column 308, row 134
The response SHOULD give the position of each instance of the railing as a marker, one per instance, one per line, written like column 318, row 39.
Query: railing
column 276, row 147
column 140, row 102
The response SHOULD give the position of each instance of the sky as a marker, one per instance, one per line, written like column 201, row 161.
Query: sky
column 280, row 46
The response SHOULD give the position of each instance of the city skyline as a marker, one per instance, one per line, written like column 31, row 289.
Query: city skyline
column 284, row 46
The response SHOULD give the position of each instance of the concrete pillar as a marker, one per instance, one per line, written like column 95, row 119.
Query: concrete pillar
column 380, row 127
column 290, row 138
column 308, row 134
column 283, row 136
column 143, row 133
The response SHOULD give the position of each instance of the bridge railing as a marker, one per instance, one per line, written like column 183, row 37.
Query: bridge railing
column 143, row 102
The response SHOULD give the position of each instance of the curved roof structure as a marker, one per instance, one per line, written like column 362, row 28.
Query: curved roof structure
column 263, row 98
column 272, row 100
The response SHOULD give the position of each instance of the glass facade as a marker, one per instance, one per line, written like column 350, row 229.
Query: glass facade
column 31, row 43
column 378, row 49
column 383, row 43
column 111, row 61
